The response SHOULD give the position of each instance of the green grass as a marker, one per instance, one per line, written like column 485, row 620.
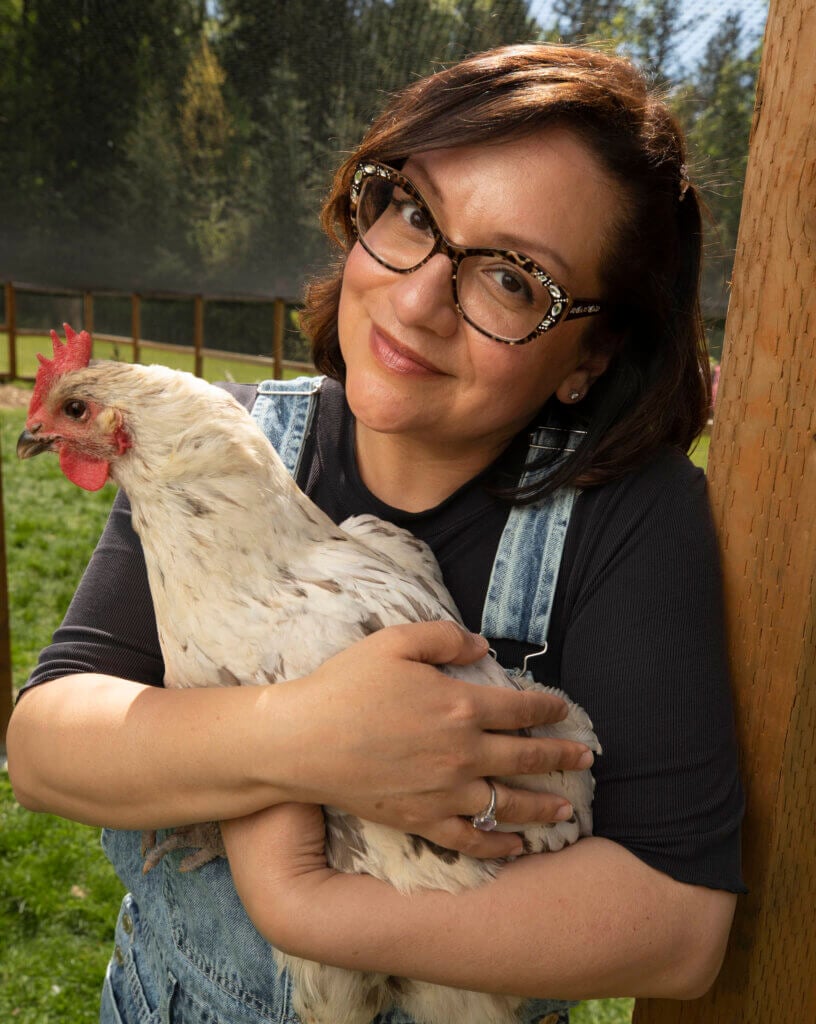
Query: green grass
column 603, row 1011
column 58, row 894
column 699, row 455
column 58, row 900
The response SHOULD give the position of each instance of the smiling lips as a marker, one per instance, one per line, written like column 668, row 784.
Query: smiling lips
column 400, row 358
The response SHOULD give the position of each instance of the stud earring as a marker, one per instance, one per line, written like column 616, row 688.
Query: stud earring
column 574, row 396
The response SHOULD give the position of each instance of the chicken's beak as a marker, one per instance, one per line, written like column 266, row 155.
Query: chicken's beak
column 29, row 444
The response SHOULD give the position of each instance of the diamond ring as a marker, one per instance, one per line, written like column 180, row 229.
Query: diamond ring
column 485, row 820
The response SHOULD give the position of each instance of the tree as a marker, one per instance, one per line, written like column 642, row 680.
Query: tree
column 214, row 165
column 655, row 28
column 716, row 105
column 80, row 69
column 581, row 20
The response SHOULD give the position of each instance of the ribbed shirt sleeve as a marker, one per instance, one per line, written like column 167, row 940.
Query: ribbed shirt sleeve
column 643, row 650
column 110, row 625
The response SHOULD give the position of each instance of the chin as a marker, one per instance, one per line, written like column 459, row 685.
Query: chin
column 388, row 407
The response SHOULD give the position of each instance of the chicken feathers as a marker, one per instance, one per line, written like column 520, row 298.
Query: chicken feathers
column 235, row 551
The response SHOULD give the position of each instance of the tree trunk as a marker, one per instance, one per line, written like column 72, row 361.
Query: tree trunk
column 762, row 473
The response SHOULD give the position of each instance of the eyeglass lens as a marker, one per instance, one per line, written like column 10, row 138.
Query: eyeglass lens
column 495, row 294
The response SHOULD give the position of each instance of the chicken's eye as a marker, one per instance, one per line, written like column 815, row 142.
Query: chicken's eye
column 75, row 409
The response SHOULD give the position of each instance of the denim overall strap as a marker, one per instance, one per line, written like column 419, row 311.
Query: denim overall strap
column 520, row 594
column 287, row 423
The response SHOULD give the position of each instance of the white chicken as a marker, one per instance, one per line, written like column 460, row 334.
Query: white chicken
column 256, row 559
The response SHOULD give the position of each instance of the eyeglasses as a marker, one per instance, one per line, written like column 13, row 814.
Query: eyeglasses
column 502, row 293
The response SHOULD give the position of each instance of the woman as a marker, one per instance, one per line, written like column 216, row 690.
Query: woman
column 520, row 245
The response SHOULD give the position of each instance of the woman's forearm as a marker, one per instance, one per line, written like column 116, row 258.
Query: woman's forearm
column 376, row 731
column 111, row 752
column 592, row 921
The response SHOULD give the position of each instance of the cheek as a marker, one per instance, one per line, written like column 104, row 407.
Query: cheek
column 350, row 309
column 508, row 370
column 524, row 377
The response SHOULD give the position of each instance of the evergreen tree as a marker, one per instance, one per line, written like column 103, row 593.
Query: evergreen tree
column 716, row 104
column 214, row 167
column 576, row 21
column 177, row 144
column 655, row 28
column 80, row 70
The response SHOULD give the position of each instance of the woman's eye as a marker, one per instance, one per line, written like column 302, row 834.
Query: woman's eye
column 412, row 214
column 512, row 282
column 75, row 409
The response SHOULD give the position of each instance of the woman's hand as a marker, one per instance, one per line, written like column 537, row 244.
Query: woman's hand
column 391, row 739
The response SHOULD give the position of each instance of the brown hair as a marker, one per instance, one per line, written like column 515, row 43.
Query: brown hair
column 656, row 389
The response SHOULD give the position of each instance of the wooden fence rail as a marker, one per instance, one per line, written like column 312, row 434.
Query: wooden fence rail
column 273, row 362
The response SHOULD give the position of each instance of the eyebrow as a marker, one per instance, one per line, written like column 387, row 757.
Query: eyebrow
column 502, row 240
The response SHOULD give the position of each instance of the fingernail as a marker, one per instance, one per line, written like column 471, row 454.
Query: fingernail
column 480, row 641
column 586, row 759
column 563, row 812
column 517, row 850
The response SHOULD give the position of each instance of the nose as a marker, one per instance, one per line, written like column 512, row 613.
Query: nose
column 424, row 298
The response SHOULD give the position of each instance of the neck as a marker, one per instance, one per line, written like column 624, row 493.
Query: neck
column 412, row 475
column 198, row 459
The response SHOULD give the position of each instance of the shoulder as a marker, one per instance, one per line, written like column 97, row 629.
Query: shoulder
column 668, row 494
column 652, row 528
column 668, row 476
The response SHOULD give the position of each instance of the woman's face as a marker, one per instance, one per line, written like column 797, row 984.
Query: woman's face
column 415, row 368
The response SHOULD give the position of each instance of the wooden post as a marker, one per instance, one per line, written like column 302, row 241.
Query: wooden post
column 11, row 328
column 278, row 321
column 136, row 325
column 762, row 469
column 87, row 312
column 5, row 632
column 198, row 335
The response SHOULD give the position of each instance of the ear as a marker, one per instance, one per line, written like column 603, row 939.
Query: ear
column 577, row 383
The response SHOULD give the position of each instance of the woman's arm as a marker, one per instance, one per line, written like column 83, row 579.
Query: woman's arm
column 376, row 731
column 591, row 921
column 643, row 911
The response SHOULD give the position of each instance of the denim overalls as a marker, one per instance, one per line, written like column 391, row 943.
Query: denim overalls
column 185, row 952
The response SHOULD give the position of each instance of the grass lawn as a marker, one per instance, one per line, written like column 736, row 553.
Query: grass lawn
column 58, row 894
column 58, row 898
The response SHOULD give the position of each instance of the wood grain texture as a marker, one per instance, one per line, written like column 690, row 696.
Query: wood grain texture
column 762, row 472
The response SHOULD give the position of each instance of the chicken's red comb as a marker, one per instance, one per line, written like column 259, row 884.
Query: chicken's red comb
column 73, row 354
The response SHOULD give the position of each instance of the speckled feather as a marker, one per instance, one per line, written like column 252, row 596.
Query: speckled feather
column 235, row 550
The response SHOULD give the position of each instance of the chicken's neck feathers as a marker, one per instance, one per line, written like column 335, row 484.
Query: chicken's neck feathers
column 197, row 459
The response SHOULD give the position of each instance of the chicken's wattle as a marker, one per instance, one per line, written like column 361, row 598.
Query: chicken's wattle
column 89, row 474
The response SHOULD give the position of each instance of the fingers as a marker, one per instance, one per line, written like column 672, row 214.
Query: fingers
column 532, row 755
column 460, row 835
column 513, row 807
column 435, row 643
column 446, row 643
column 507, row 709
column 521, row 806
